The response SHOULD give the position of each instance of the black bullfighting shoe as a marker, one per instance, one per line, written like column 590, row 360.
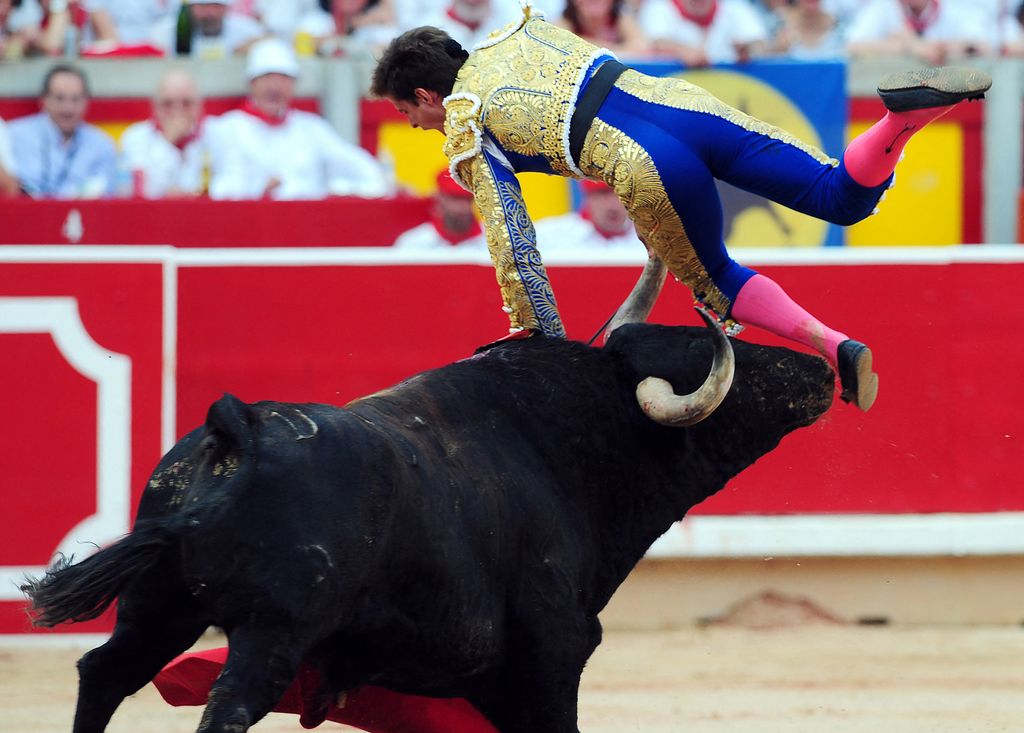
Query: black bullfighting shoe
column 904, row 91
column 860, row 384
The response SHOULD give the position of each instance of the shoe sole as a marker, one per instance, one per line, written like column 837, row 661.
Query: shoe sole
column 904, row 91
column 867, row 381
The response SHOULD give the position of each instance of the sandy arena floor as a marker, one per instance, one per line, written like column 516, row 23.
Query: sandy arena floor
column 815, row 678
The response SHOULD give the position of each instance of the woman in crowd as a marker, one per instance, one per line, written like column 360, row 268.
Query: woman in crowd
column 610, row 24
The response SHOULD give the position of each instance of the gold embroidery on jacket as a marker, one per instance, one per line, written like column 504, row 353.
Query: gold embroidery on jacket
column 617, row 159
column 527, row 83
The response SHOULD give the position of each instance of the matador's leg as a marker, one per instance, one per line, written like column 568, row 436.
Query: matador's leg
column 664, row 170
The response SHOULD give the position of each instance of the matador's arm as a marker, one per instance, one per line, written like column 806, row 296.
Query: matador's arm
column 512, row 242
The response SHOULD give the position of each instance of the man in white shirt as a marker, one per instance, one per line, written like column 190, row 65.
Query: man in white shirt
column 600, row 224
column 56, row 153
column 9, row 185
column 132, row 21
column 470, row 21
column 703, row 32
column 929, row 30
column 452, row 225
column 213, row 31
column 267, row 150
column 166, row 154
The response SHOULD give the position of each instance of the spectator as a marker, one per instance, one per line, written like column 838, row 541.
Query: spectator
column 207, row 29
column 452, row 224
column 703, row 32
column 842, row 10
column 354, row 27
column 267, row 150
column 807, row 33
column 166, row 154
column 56, row 153
column 600, row 224
column 609, row 24
column 55, row 27
column 9, row 185
column 130, row 22
column 17, row 18
column 286, row 18
column 928, row 30
column 471, row 21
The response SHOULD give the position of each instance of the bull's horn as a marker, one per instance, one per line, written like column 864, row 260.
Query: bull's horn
column 664, row 406
column 640, row 301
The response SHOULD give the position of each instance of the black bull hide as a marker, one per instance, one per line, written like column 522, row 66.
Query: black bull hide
column 455, row 535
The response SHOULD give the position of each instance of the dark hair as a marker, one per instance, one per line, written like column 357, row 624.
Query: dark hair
column 571, row 14
column 424, row 57
column 64, row 69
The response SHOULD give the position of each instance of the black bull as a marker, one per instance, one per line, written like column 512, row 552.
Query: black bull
column 456, row 535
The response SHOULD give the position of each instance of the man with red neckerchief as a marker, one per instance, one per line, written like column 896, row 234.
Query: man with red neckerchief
column 600, row 224
column 266, row 149
column 930, row 30
column 452, row 225
column 166, row 153
column 703, row 32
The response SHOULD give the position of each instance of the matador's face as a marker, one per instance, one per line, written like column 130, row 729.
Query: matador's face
column 425, row 111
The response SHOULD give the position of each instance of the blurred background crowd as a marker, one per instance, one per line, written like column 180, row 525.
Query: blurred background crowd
column 696, row 32
column 268, row 149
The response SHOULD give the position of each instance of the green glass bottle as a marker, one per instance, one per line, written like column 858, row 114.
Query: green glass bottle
column 183, row 42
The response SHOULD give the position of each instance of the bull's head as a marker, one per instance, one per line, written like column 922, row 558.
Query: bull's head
column 656, row 397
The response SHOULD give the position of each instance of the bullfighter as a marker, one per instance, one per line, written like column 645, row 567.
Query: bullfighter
column 535, row 97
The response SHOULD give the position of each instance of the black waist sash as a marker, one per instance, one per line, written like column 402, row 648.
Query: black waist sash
column 590, row 101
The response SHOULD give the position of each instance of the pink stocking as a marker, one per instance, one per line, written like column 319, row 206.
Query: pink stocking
column 872, row 156
column 762, row 303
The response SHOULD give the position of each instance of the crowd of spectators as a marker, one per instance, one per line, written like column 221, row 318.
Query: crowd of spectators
column 268, row 149
column 696, row 32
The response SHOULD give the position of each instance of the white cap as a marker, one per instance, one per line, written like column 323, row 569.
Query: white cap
column 271, row 56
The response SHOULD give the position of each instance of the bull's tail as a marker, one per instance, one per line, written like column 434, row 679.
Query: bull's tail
column 70, row 593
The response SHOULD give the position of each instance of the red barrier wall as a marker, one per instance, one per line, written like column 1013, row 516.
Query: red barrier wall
column 330, row 324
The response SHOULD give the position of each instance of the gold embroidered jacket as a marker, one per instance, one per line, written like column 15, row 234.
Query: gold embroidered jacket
column 517, row 89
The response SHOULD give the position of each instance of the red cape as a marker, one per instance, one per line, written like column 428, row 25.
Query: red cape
column 187, row 681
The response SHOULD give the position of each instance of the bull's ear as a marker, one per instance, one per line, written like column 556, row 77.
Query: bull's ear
column 232, row 418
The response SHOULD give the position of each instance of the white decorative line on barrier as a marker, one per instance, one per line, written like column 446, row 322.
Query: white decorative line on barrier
column 59, row 317
column 989, row 533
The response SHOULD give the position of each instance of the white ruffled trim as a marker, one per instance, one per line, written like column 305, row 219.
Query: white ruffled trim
column 477, row 135
column 577, row 85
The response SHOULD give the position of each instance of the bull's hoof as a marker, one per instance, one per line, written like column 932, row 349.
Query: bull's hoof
column 860, row 384
column 903, row 91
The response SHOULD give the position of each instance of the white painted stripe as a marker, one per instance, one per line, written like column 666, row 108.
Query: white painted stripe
column 844, row 535
column 112, row 373
column 62, row 253
column 319, row 256
column 169, row 370
column 52, row 640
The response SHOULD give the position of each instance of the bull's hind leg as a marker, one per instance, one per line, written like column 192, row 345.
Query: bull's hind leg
column 152, row 628
column 262, row 662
